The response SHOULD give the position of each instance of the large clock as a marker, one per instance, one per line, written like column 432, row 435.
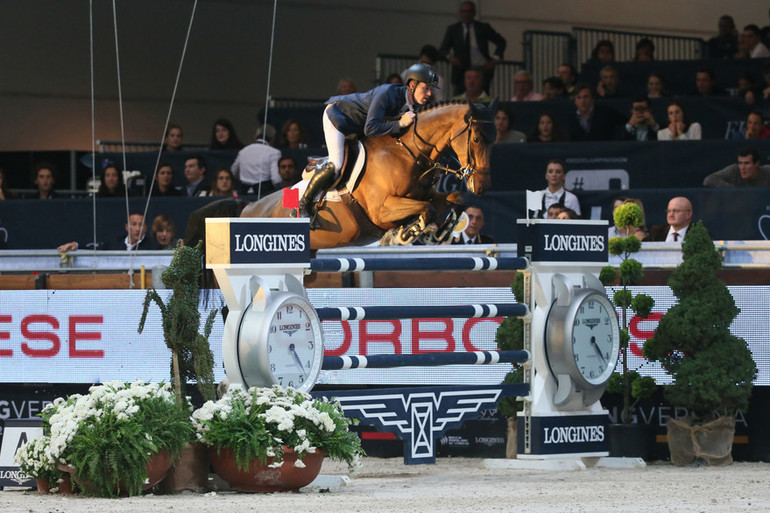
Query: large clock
column 278, row 341
column 582, row 342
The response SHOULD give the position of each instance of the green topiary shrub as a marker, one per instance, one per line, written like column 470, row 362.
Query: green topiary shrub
column 712, row 369
column 628, row 382
column 510, row 337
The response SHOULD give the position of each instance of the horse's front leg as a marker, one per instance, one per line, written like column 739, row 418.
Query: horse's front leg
column 395, row 210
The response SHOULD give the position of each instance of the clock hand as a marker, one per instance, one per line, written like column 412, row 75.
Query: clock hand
column 296, row 356
column 598, row 351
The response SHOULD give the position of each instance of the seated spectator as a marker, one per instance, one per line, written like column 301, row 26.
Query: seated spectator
column 645, row 50
column 554, row 211
column 223, row 185
column 174, row 137
column 133, row 238
column 604, row 51
column 164, row 177
column 755, row 128
column 608, row 82
column 567, row 214
column 679, row 128
column 523, row 88
column 346, row 86
column 195, row 173
column 746, row 173
column 640, row 232
column 223, row 136
column 568, row 75
column 591, row 122
column 256, row 166
column 472, row 233
column 111, row 185
column 287, row 169
column 503, row 120
column 163, row 231
column 655, row 86
column 555, row 193
column 747, row 88
column 394, row 78
column 706, row 84
column 766, row 76
column 750, row 41
column 678, row 222
column 641, row 126
column 5, row 192
column 44, row 179
column 429, row 55
column 725, row 44
column 474, row 87
column 546, row 130
column 293, row 135
column 553, row 89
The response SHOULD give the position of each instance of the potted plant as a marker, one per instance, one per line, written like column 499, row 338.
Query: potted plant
column 191, row 356
column 509, row 337
column 628, row 438
column 118, row 439
column 712, row 370
column 273, row 439
column 33, row 461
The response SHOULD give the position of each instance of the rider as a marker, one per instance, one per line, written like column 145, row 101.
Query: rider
column 386, row 109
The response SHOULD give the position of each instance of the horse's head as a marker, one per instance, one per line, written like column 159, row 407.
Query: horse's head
column 473, row 145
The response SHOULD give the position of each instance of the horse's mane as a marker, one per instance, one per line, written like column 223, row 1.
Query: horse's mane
column 441, row 104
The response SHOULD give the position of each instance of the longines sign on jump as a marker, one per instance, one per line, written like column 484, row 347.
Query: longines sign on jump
column 555, row 240
column 256, row 241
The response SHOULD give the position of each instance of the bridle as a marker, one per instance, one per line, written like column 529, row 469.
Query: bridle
column 424, row 160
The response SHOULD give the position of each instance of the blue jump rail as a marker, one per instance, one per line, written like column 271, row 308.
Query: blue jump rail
column 357, row 313
column 385, row 361
column 340, row 265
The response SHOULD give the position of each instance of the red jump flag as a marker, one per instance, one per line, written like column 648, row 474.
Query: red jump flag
column 290, row 198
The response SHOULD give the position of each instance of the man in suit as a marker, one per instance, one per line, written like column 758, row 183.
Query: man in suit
column 472, row 233
column 468, row 40
column 679, row 218
column 591, row 122
column 195, row 172
column 133, row 238
column 641, row 126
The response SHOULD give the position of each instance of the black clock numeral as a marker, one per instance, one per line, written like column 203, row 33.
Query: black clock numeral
column 308, row 364
column 301, row 377
column 606, row 356
column 269, row 349
column 592, row 374
column 577, row 357
column 307, row 326
column 310, row 344
column 301, row 313
column 591, row 305
column 291, row 383
column 273, row 329
column 289, row 309
column 577, row 322
column 278, row 315
column 272, row 367
column 582, row 309
column 280, row 380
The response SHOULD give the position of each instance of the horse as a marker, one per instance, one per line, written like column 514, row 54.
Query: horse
column 395, row 196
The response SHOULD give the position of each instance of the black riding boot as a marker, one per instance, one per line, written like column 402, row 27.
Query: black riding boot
column 322, row 179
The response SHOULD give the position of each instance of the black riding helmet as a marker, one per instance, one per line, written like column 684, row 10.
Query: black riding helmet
column 421, row 73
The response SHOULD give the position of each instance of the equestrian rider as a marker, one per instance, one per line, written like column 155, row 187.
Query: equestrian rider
column 386, row 109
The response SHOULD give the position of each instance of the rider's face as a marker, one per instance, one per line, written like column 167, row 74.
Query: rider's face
column 422, row 93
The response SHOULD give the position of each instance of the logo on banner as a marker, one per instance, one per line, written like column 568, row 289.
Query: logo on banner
column 554, row 241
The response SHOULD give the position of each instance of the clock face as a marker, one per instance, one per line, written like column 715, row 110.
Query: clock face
column 595, row 338
column 294, row 347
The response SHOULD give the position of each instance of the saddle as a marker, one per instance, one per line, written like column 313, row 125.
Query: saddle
column 352, row 167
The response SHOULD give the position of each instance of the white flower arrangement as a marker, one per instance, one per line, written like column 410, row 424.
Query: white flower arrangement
column 34, row 462
column 257, row 423
column 109, row 434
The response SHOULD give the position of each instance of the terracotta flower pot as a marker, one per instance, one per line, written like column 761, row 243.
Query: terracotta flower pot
column 156, row 468
column 191, row 472
column 43, row 486
column 262, row 478
column 65, row 487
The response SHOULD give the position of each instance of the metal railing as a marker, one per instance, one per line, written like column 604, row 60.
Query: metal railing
column 502, row 81
column 294, row 102
column 667, row 48
column 107, row 146
column 545, row 51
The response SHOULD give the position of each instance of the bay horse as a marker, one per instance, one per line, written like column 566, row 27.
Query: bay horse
column 396, row 193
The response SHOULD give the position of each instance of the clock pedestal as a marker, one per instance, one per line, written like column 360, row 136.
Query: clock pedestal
column 564, row 420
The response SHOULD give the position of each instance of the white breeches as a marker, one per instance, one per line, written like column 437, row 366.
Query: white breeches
column 335, row 142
